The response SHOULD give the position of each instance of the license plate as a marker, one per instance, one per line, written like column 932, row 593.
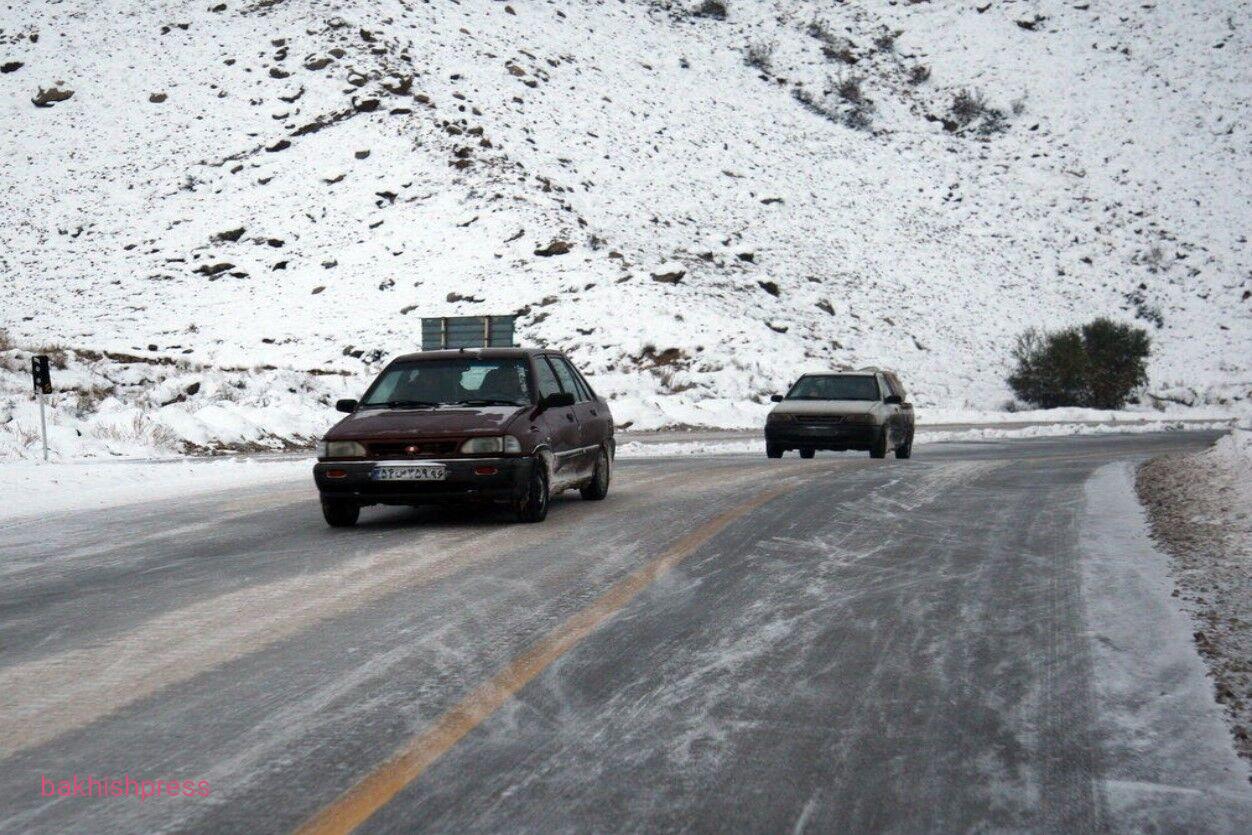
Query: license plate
column 419, row 472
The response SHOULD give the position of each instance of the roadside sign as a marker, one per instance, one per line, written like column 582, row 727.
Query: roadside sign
column 467, row 332
column 41, row 377
column 41, row 374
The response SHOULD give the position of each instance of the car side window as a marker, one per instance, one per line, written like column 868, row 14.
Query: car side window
column 566, row 375
column 587, row 393
column 545, row 378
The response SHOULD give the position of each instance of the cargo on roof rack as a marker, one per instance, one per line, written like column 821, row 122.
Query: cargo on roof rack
column 467, row 332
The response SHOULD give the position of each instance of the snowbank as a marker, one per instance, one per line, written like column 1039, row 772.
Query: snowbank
column 135, row 408
column 35, row 487
column 1201, row 510
column 1168, row 760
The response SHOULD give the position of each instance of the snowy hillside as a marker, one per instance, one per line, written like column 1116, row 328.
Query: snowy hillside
column 697, row 208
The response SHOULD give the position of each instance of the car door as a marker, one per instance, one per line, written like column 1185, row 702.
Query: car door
column 559, row 425
column 598, row 424
column 906, row 408
column 892, row 423
column 583, row 457
column 901, row 413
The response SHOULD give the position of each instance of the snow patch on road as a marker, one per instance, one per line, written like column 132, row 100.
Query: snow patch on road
column 36, row 488
column 1168, row 759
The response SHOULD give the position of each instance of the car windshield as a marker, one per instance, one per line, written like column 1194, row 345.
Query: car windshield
column 835, row 387
column 467, row 382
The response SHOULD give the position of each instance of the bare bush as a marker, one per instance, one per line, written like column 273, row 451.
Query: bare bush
column 886, row 40
column 967, row 105
column 711, row 9
column 1153, row 259
column 87, row 400
column 58, row 355
column 845, row 53
column 971, row 111
column 848, row 88
column 760, row 55
column 834, row 47
column 857, row 114
column 919, row 74
column 820, row 30
column 139, row 429
column 6, row 341
column 25, row 437
column 859, row 118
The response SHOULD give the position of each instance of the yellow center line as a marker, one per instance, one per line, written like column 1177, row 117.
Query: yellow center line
column 410, row 761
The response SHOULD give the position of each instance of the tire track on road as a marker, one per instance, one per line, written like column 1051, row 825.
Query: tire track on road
column 46, row 697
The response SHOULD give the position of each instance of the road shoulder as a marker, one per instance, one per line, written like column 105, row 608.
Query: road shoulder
column 1168, row 761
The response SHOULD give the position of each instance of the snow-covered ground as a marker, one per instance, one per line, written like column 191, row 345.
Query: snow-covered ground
column 292, row 185
column 1200, row 507
column 35, row 488
column 1166, row 754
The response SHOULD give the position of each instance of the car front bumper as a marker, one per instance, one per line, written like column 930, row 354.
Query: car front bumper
column 835, row 436
column 462, row 484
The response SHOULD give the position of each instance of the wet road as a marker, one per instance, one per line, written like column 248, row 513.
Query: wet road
column 725, row 643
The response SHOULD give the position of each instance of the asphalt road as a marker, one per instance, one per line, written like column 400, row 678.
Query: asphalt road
column 725, row 643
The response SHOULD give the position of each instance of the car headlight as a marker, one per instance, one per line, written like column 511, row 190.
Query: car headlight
column 495, row 443
column 340, row 449
column 780, row 418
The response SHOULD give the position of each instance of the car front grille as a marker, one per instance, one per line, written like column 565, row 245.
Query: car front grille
column 820, row 419
column 417, row 448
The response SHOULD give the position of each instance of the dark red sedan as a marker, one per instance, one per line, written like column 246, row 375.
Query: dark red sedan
column 505, row 425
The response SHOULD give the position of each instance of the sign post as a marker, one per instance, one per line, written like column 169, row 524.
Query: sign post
column 41, row 376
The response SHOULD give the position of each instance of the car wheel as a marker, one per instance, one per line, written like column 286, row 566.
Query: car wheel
column 879, row 449
column 598, row 487
column 340, row 514
column 533, row 506
column 807, row 453
column 906, row 450
column 773, row 451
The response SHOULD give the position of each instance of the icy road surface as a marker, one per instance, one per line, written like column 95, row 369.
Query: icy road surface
column 726, row 643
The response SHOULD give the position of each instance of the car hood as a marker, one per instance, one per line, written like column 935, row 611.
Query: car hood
column 458, row 421
column 825, row 407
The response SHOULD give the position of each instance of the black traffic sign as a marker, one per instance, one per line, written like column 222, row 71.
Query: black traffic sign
column 40, row 374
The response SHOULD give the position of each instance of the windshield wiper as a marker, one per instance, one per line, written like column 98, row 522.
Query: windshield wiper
column 488, row 401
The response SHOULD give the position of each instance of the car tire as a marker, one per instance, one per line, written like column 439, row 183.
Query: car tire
column 807, row 453
column 906, row 449
column 598, row 487
column 340, row 514
column 879, row 449
column 773, row 451
column 533, row 506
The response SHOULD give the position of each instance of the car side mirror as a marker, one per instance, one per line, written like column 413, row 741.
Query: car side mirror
column 346, row 405
column 893, row 400
column 557, row 400
column 777, row 398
